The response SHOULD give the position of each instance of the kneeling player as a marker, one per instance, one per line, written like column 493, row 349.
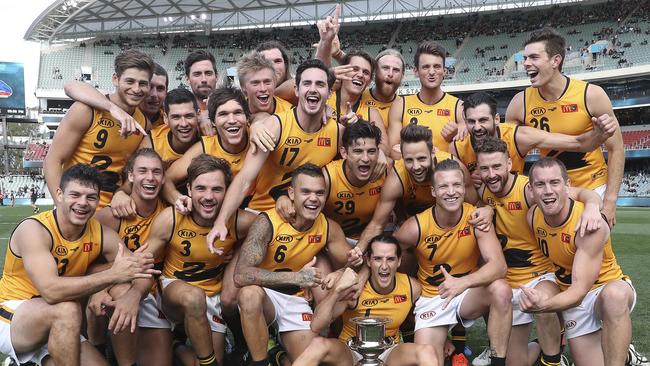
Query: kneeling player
column 448, row 250
column 596, row 298
column 387, row 293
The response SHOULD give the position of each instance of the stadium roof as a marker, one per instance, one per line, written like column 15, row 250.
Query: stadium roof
column 77, row 19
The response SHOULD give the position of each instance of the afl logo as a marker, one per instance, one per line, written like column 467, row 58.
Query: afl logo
column 431, row 239
column 186, row 234
column 427, row 315
column 414, row 111
column 106, row 123
column 284, row 238
column 292, row 141
column 538, row 111
column 370, row 302
column 61, row 251
column 132, row 229
column 344, row 195
column 541, row 232
column 570, row 324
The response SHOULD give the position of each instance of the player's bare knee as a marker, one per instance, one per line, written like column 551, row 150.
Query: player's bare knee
column 426, row 352
column 318, row 344
column 251, row 298
column 501, row 294
column 193, row 300
column 229, row 299
column 67, row 312
column 615, row 301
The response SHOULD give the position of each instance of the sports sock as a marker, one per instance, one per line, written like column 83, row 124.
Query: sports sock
column 553, row 360
column 498, row 361
column 458, row 338
column 209, row 360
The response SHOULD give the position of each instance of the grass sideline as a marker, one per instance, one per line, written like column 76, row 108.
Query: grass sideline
column 631, row 236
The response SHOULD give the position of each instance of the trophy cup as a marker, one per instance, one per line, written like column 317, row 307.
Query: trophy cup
column 370, row 341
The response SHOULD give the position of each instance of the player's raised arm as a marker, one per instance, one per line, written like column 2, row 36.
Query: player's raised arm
column 395, row 126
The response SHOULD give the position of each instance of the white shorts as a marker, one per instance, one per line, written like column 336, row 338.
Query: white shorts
column 583, row 319
column 600, row 190
column 356, row 356
column 291, row 312
column 150, row 314
column 351, row 242
column 213, row 304
column 429, row 313
column 7, row 310
column 518, row 316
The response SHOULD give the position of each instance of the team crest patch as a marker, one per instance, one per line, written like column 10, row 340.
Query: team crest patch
column 444, row 112
column 324, row 142
column 569, row 108
column 60, row 250
column 398, row 299
column 541, row 232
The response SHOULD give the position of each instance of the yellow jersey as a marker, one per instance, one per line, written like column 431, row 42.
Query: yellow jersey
column 352, row 207
column 72, row 257
column 362, row 111
column 368, row 100
column 161, row 142
column 435, row 116
column 417, row 197
column 212, row 146
column 134, row 230
column 568, row 115
column 102, row 146
column 524, row 259
column 558, row 244
column 455, row 249
column 394, row 306
column 295, row 147
column 160, row 120
column 281, row 105
column 289, row 249
column 187, row 256
column 504, row 131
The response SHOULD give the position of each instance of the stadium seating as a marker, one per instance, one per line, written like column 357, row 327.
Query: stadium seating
column 482, row 45
column 36, row 152
column 21, row 185
column 636, row 139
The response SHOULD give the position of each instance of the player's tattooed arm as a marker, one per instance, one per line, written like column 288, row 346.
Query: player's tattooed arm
column 252, row 254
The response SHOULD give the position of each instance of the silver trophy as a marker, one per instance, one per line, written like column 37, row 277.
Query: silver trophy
column 370, row 341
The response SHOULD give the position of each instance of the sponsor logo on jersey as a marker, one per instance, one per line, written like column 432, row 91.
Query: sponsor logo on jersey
column 414, row 111
column 371, row 103
column 490, row 201
column 60, row 250
column 324, row 141
column 217, row 320
column 284, row 238
column 292, row 141
column 541, row 232
column 344, row 195
column 398, row 299
column 463, row 232
column 374, row 191
column 186, row 234
column 431, row 239
column 569, row 324
column 515, row 206
column 132, row 229
column 569, row 108
column 443, row 112
column 538, row 111
column 427, row 315
column 370, row 302
column 87, row 247
column 314, row 239
column 598, row 174
column 107, row 123
column 566, row 238
column 306, row 317
column 236, row 161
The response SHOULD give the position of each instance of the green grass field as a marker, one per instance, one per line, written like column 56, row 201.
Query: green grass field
column 631, row 235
